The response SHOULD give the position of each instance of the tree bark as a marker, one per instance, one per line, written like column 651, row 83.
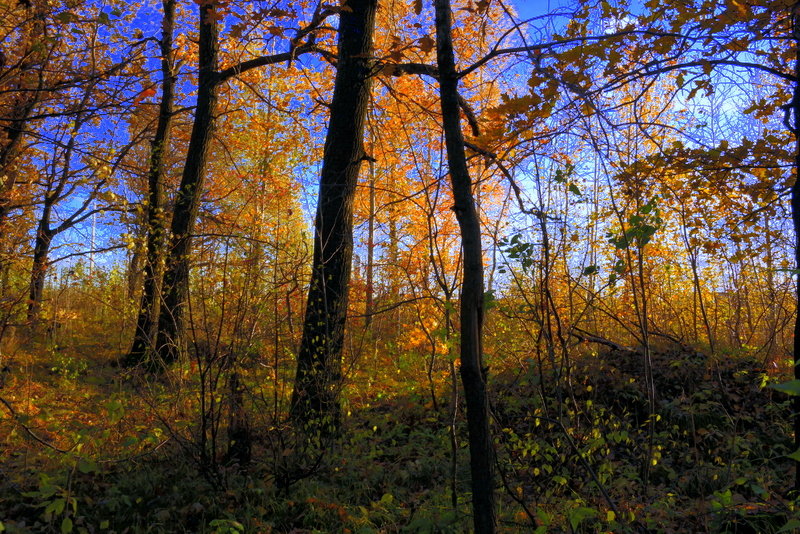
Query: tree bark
column 147, row 320
column 473, row 374
column 795, row 209
column 369, row 308
column 41, row 251
column 171, row 323
column 315, row 403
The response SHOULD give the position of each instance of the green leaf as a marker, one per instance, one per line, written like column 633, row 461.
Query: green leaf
column 792, row 387
column 56, row 507
column 103, row 18
column 574, row 189
column 544, row 518
column 66, row 526
column 591, row 269
column 578, row 515
column 66, row 17
column 791, row 526
column 794, row 456
column 489, row 300
column 86, row 466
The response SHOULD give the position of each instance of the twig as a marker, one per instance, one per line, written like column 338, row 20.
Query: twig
column 583, row 335
column 30, row 432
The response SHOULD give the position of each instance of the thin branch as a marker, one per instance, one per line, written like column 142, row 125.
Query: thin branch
column 15, row 416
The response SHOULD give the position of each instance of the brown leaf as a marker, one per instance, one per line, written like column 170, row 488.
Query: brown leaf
column 279, row 13
column 214, row 15
column 426, row 44
column 237, row 30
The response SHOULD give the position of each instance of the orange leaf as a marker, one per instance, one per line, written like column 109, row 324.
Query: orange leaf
column 146, row 93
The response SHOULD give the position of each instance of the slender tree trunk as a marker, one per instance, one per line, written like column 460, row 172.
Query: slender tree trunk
column 370, row 304
column 171, row 324
column 315, row 403
column 795, row 208
column 41, row 251
column 473, row 375
column 147, row 321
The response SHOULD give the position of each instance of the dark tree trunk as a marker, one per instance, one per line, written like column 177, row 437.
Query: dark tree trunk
column 170, row 341
column 795, row 208
column 369, row 308
column 41, row 251
column 315, row 403
column 472, row 372
column 147, row 322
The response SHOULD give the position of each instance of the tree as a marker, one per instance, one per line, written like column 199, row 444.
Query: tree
column 473, row 373
column 73, row 152
column 187, row 202
column 170, row 342
column 147, row 320
column 793, row 111
column 24, row 80
column 315, row 397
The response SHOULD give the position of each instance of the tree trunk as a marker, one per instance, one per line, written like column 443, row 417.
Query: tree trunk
column 472, row 372
column 370, row 299
column 171, row 324
column 315, row 402
column 795, row 208
column 41, row 250
column 156, row 222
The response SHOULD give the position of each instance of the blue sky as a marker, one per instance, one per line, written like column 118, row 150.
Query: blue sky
column 532, row 8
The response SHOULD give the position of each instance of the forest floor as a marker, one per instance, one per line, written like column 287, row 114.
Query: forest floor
column 88, row 447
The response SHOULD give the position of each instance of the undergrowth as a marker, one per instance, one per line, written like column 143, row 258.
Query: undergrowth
column 90, row 448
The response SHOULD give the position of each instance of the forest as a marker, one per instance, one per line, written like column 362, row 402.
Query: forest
column 399, row 266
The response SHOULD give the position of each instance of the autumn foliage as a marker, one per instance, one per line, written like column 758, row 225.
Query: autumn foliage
column 249, row 249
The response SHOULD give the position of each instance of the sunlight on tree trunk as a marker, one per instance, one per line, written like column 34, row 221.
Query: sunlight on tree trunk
column 172, row 317
column 147, row 322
